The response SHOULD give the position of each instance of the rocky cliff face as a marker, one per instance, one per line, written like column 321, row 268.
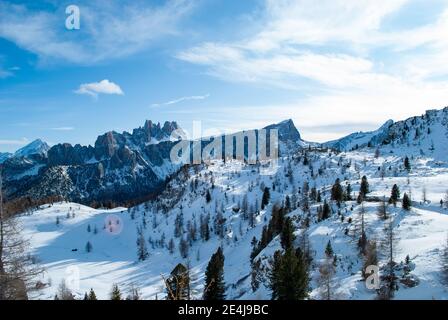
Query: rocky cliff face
column 119, row 167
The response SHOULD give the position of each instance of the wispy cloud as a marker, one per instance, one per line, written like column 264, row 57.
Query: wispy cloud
column 108, row 29
column 344, row 65
column 167, row 103
column 18, row 142
column 102, row 87
column 62, row 129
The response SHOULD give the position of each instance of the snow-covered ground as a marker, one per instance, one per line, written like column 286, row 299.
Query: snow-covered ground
column 421, row 233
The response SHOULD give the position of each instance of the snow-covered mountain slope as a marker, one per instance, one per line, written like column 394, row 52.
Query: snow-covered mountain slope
column 359, row 139
column 36, row 147
column 425, row 135
column 235, row 193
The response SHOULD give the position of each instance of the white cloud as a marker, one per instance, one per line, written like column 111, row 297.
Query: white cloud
column 103, row 87
column 181, row 100
column 108, row 29
column 327, row 51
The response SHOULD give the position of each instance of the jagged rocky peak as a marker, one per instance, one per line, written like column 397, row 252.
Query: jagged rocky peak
column 38, row 147
column 154, row 133
column 286, row 130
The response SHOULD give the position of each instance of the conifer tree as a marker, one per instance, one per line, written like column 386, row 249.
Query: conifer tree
column 407, row 164
column 337, row 193
column 348, row 192
column 364, row 189
column 214, row 288
column 406, row 202
column 89, row 247
column 115, row 294
column 142, row 251
column 329, row 249
column 395, row 194
column 92, row 295
column 326, row 211
column 287, row 234
column 288, row 277
column 266, row 197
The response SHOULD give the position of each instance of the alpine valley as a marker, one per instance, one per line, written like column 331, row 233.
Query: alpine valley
column 120, row 212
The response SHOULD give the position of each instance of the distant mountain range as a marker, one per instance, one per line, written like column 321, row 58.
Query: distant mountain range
column 120, row 167
column 123, row 167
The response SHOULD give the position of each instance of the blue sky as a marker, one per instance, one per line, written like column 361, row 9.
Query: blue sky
column 332, row 66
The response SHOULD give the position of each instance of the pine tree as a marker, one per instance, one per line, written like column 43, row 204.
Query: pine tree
column 348, row 192
column 214, row 277
column 178, row 284
column 287, row 234
column 364, row 189
column 265, row 199
column 288, row 277
column 329, row 249
column 326, row 210
column 337, row 193
column 89, row 247
column 395, row 194
column 407, row 164
column 142, row 251
column 256, row 275
column 88, row 228
column 92, row 295
column 115, row 293
column 406, row 202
